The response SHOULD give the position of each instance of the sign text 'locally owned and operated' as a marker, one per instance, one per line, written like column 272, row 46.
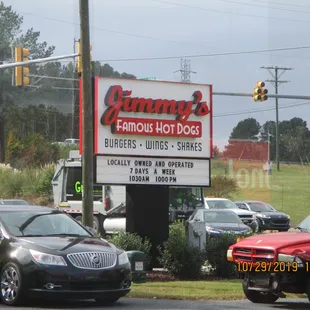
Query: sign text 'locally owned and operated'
column 152, row 171
column 152, row 118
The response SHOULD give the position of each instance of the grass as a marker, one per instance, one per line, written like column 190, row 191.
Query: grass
column 192, row 290
column 287, row 190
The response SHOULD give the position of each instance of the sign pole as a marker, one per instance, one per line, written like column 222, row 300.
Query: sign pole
column 88, row 145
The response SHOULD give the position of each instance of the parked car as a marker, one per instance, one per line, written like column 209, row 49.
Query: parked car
column 268, row 217
column 46, row 253
column 247, row 217
column 12, row 202
column 219, row 222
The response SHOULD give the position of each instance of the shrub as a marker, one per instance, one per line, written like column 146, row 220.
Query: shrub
column 27, row 183
column 221, row 186
column 132, row 242
column 181, row 259
column 216, row 251
column 32, row 152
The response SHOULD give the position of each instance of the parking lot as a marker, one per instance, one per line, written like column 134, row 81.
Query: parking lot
column 126, row 303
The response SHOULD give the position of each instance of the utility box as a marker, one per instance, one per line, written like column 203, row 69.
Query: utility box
column 196, row 232
column 137, row 261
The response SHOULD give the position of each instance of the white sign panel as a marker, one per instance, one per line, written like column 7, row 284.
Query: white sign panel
column 152, row 171
column 152, row 118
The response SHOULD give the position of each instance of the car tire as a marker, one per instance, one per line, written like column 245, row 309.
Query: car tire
column 258, row 297
column 106, row 301
column 12, row 281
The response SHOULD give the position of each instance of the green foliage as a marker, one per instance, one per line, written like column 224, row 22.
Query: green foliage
column 216, row 251
column 181, row 259
column 64, row 150
column 246, row 129
column 27, row 183
column 132, row 242
column 222, row 186
column 32, row 152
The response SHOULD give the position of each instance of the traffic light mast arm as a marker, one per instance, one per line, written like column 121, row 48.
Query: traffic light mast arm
column 34, row 61
column 270, row 95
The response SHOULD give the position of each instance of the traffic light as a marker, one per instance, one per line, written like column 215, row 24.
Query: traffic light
column 21, row 72
column 79, row 58
column 260, row 93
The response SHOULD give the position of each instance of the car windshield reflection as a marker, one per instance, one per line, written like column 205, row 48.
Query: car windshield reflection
column 33, row 224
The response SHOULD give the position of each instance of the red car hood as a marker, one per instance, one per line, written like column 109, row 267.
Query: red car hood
column 275, row 241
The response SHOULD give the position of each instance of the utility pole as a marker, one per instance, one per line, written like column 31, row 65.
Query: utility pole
column 73, row 119
column 185, row 71
column 87, row 121
column 275, row 82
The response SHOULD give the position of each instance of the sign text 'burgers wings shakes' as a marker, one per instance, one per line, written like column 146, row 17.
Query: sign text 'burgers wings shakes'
column 168, row 123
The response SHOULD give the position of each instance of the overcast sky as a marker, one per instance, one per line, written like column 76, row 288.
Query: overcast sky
column 123, row 29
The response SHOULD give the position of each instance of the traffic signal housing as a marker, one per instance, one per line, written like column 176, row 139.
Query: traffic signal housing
column 21, row 72
column 79, row 58
column 260, row 93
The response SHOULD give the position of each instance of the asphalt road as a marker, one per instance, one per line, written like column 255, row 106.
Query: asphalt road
column 146, row 304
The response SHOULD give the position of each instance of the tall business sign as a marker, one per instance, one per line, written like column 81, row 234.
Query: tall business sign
column 152, row 132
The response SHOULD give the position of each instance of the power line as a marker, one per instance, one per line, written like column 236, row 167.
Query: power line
column 209, row 55
column 108, row 30
column 261, row 110
column 230, row 13
column 281, row 3
column 263, row 6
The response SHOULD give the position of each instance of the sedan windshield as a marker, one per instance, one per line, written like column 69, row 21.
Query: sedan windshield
column 221, row 204
column 221, row 217
column 29, row 224
column 260, row 207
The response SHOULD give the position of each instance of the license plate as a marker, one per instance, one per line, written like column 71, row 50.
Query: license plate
column 139, row 266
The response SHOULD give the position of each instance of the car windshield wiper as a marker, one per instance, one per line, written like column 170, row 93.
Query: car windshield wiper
column 64, row 234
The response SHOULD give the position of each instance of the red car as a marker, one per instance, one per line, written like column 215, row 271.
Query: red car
column 273, row 264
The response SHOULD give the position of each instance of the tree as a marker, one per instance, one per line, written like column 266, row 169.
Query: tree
column 246, row 129
column 294, row 142
column 107, row 71
column 215, row 152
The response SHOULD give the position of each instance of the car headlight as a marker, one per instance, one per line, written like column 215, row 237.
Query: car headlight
column 47, row 259
column 290, row 259
column 264, row 216
column 123, row 258
column 212, row 230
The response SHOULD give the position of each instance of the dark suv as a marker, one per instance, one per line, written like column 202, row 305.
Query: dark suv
column 268, row 217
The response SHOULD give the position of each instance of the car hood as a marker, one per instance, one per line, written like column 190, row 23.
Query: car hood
column 275, row 214
column 242, row 212
column 228, row 226
column 276, row 241
column 66, row 244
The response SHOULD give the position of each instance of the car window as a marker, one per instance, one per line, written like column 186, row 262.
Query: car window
column 221, row 217
column 260, row 207
column 241, row 205
column 221, row 204
column 42, row 224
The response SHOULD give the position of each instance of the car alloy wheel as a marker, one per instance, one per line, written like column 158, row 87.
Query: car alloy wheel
column 11, row 284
